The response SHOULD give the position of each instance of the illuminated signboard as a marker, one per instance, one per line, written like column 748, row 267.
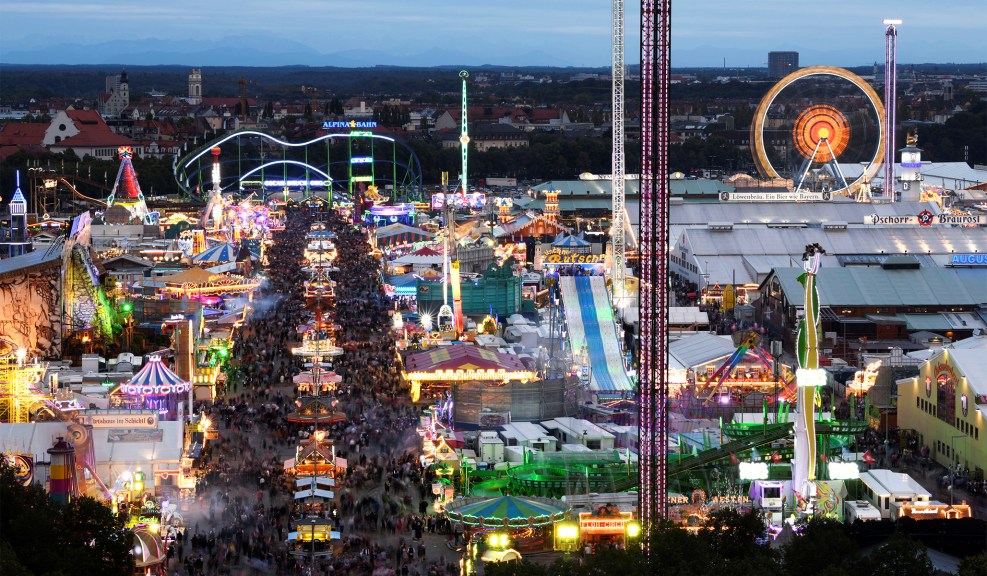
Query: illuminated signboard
column 362, row 160
column 799, row 196
column 968, row 260
column 346, row 125
column 591, row 524
column 557, row 256
column 146, row 420
column 474, row 200
column 926, row 218
column 295, row 183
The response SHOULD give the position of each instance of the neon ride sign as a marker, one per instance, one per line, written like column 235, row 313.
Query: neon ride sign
column 347, row 125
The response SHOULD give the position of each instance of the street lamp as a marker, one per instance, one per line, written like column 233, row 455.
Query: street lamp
column 566, row 537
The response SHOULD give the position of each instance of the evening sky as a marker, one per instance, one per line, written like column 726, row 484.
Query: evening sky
column 473, row 32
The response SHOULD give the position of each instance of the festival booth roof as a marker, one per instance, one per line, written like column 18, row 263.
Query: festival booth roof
column 424, row 255
column 317, row 480
column 571, row 241
column 154, row 379
column 309, row 377
column 506, row 511
column 316, row 408
column 404, row 284
column 224, row 252
column 113, row 457
column 194, row 275
column 463, row 361
column 318, row 492
column 148, row 549
column 394, row 234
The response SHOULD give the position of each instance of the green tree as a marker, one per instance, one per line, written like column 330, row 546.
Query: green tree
column 973, row 565
column 822, row 547
column 899, row 556
column 88, row 538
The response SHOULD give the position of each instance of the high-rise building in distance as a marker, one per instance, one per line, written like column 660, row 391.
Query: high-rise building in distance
column 781, row 64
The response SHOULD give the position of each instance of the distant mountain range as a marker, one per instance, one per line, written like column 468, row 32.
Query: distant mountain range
column 258, row 51
column 267, row 51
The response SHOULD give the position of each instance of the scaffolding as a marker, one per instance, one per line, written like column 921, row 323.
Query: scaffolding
column 18, row 392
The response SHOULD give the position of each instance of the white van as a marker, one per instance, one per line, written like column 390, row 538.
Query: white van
column 862, row 510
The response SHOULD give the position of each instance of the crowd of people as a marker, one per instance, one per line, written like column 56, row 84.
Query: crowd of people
column 242, row 515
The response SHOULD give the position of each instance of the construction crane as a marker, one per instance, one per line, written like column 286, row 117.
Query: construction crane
column 312, row 92
column 243, row 83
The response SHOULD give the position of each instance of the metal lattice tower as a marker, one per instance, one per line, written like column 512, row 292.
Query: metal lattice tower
column 618, row 287
column 464, row 139
column 890, row 103
column 656, row 30
column 18, row 395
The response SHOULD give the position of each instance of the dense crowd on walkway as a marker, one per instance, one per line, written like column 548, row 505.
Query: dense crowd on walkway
column 242, row 514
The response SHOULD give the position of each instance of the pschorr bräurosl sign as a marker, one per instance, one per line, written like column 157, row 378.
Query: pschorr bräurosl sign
column 926, row 218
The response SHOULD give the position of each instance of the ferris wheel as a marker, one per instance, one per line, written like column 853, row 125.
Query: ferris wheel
column 824, row 127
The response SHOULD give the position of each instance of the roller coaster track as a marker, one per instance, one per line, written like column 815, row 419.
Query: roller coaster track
column 76, row 194
column 769, row 434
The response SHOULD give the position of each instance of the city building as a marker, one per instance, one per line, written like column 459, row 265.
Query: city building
column 946, row 404
column 195, row 86
column 116, row 97
column 781, row 64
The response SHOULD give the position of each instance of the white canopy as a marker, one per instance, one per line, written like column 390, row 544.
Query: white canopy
column 309, row 480
column 327, row 494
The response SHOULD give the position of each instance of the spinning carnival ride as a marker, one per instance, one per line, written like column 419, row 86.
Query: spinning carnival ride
column 837, row 132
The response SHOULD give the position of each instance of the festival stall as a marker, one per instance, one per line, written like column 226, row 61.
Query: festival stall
column 527, row 522
column 154, row 387
column 326, row 381
column 398, row 234
column 442, row 367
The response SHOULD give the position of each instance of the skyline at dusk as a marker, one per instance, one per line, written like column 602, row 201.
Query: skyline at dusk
column 712, row 33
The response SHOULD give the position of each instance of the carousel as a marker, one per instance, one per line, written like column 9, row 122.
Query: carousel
column 527, row 522
column 154, row 387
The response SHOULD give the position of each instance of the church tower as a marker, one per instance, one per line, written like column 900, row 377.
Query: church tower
column 195, row 86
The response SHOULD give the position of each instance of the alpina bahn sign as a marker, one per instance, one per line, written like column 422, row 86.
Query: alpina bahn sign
column 926, row 218
column 346, row 124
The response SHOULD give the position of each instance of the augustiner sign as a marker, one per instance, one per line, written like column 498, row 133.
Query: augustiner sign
column 556, row 256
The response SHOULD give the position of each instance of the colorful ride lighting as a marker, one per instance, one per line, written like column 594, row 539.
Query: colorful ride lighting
column 810, row 377
column 843, row 471
column 753, row 471
column 633, row 529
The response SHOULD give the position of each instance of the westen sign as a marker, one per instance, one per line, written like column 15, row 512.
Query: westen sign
column 352, row 124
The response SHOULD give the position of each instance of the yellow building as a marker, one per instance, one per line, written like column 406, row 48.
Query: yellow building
column 947, row 404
